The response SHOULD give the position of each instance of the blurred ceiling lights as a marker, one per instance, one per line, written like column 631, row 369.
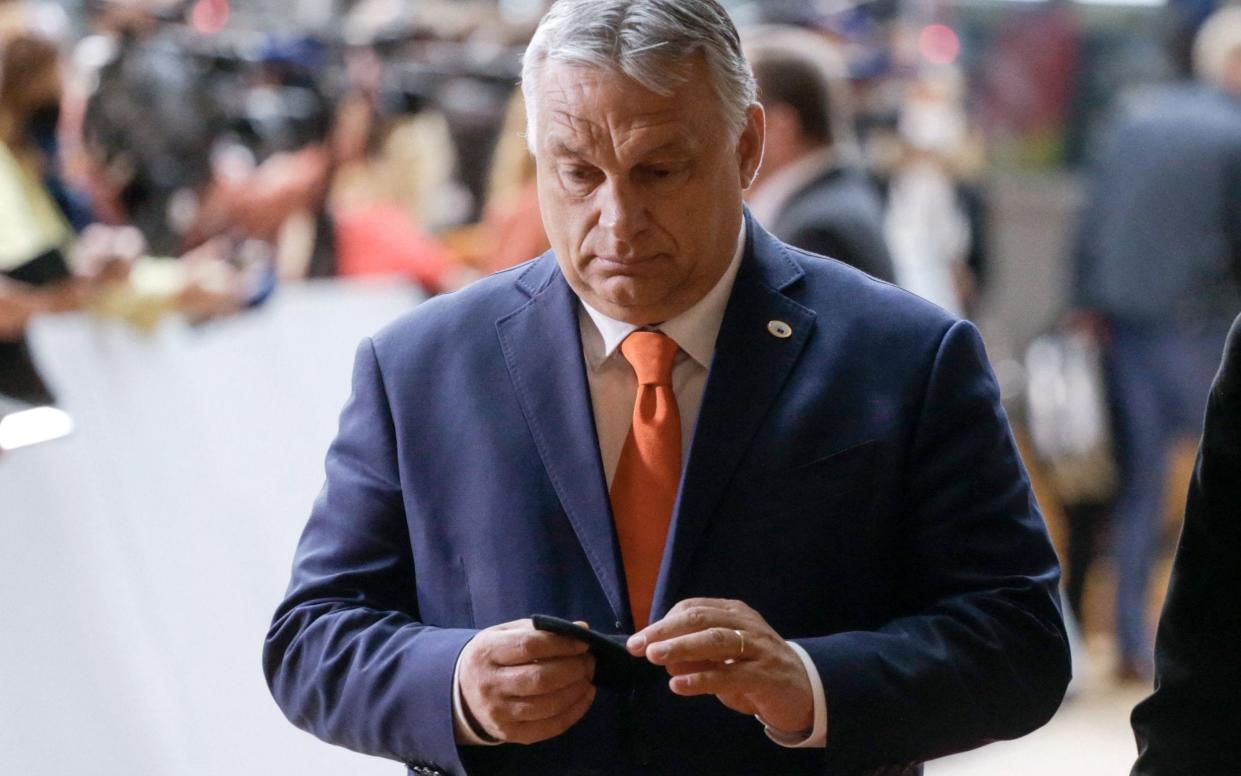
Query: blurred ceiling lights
column 209, row 16
column 938, row 44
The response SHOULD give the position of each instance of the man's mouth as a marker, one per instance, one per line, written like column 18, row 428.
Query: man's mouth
column 628, row 261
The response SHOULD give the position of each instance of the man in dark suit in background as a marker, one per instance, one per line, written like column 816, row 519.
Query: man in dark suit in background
column 792, row 486
column 1157, row 259
column 806, row 193
column 1190, row 724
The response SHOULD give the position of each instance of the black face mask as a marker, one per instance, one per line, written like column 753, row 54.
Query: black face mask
column 41, row 126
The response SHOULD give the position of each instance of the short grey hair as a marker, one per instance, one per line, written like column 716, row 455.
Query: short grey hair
column 1216, row 41
column 644, row 40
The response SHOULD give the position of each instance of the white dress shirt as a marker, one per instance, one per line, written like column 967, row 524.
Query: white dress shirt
column 613, row 390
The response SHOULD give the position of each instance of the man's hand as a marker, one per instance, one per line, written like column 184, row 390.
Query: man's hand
column 712, row 646
column 521, row 685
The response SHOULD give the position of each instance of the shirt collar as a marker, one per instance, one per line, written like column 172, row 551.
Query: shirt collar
column 694, row 330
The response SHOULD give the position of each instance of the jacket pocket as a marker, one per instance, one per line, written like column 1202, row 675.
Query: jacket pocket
column 825, row 479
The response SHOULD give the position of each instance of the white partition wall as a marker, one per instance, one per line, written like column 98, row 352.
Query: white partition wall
column 142, row 556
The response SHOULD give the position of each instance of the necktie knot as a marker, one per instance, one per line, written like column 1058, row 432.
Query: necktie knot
column 651, row 354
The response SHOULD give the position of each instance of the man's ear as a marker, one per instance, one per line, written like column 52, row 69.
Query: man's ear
column 750, row 144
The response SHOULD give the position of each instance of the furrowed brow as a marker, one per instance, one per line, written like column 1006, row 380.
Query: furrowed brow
column 561, row 149
column 677, row 147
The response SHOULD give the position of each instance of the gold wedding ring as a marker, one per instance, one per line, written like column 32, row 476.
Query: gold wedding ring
column 741, row 652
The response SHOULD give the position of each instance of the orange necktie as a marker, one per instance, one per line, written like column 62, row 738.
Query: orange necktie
column 644, row 488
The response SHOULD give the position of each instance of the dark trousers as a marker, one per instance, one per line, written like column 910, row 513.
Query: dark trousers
column 1158, row 379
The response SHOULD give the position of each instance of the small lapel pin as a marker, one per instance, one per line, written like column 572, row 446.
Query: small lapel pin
column 780, row 329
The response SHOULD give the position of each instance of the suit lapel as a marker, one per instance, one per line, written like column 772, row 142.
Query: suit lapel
column 543, row 351
column 748, row 370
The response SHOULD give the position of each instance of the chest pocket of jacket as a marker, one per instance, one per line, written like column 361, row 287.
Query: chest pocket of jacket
column 803, row 545
column 840, row 477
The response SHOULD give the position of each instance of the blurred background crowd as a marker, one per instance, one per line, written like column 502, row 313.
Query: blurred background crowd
column 1067, row 174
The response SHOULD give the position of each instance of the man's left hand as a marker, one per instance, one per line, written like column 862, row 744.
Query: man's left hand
column 713, row 646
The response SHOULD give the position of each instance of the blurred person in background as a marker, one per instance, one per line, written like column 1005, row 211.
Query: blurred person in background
column 512, row 223
column 35, row 208
column 199, row 141
column 271, row 162
column 1156, row 259
column 154, row 109
column 394, row 181
column 935, row 216
column 1190, row 724
column 150, row 123
column 805, row 191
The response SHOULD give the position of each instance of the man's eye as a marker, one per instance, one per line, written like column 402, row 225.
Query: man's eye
column 660, row 173
column 579, row 173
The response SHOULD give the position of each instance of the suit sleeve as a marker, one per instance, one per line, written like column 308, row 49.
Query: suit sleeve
column 1190, row 723
column 980, row 653
column 346, row 657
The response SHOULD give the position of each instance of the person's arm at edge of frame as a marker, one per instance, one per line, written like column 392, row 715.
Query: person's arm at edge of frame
column 982, row 654
column 346, row 657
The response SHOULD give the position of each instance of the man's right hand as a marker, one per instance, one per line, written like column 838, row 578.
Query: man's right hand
column 521, row 685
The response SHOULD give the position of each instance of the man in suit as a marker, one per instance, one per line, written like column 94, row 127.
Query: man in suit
column 793, row 485
column 805, row 192
column 1157, row 256
column 1190, row 723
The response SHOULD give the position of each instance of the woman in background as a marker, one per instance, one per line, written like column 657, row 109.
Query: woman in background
column 36, row 212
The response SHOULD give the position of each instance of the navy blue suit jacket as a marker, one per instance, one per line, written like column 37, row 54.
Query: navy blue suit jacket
column 855, row 483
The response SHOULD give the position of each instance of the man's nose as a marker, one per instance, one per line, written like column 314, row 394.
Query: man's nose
column 622, row 210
